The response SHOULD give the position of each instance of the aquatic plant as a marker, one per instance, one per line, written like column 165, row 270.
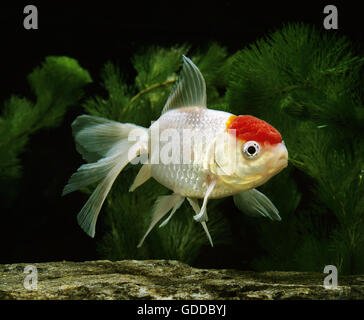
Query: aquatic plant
column 57, row 84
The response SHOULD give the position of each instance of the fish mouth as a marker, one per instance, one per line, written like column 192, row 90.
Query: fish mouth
column 283, row 158
column 281, row 161
column 280, row 166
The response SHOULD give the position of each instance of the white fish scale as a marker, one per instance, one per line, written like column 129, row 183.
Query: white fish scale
column 190, row 179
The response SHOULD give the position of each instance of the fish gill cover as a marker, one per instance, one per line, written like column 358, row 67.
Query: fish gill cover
column 306, row 84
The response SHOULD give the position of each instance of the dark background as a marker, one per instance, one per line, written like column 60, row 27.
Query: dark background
column 41, row 226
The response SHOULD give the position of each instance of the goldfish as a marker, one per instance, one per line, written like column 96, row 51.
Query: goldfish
column 222, row 155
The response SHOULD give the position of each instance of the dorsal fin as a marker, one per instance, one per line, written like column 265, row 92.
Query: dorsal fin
column 190, row 89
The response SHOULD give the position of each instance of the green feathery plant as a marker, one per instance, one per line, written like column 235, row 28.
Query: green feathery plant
column 57, row 84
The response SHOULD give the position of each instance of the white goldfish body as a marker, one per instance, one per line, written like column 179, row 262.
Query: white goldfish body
column 213, row 154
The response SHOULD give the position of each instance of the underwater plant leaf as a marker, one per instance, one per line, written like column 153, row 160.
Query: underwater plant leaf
column 57, row 84
column 119, row 94
column 157, row 64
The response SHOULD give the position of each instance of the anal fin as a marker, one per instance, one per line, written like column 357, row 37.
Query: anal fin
column 161, row 207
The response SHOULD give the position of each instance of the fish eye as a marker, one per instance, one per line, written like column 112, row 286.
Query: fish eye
column 251, row 149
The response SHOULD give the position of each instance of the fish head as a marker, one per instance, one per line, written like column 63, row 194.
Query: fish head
column 250, row 153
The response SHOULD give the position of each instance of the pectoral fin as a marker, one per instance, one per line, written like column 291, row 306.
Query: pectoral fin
column 254, row 203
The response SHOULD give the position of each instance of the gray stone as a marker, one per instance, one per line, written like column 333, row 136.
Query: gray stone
column 166, row 279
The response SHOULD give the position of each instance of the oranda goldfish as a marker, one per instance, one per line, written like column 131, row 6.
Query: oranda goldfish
column 228, row 155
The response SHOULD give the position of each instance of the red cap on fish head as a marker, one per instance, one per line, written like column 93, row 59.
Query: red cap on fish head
column 251, row 128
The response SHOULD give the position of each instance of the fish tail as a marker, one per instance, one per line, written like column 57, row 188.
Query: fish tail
column 109, row 148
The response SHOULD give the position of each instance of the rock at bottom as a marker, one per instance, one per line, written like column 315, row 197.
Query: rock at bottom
column 167, row 279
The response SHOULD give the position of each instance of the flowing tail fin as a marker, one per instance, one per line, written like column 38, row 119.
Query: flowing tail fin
column 105, row 143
